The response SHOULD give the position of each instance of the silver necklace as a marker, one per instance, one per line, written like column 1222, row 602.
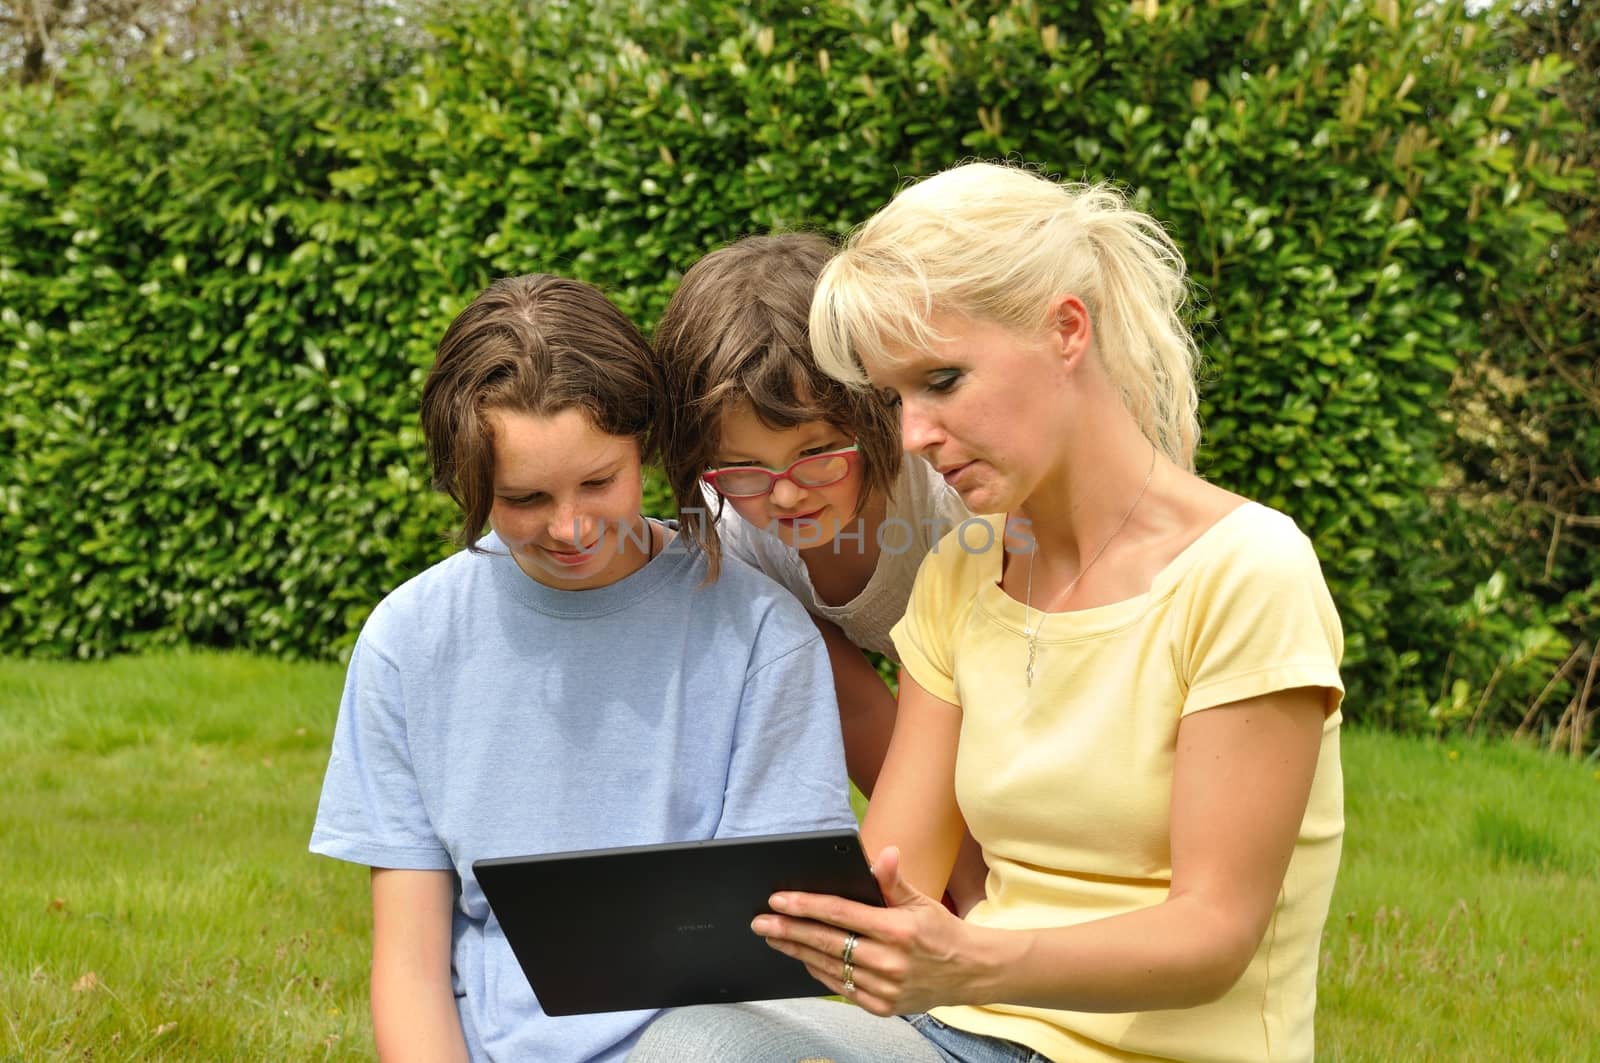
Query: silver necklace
column 1029, row 628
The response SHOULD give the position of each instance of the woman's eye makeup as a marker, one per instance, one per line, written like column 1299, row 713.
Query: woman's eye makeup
column 943, row 379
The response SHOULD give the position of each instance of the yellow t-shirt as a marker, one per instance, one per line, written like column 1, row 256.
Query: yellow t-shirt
column 1067, row 785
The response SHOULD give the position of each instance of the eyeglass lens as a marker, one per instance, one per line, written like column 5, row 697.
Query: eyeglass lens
column 819, row 471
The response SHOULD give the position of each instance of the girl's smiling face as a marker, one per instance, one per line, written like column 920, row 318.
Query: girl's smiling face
column 566, row 498
column 802, row 517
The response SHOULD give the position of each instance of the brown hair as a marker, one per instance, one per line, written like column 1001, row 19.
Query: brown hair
column 735, row 334
column 537, row 345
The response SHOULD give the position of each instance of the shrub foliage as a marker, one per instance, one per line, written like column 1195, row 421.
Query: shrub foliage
column 222, row 282
column 1524, row 462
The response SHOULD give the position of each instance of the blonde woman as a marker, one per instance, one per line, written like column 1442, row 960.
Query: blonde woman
column 1131, row 699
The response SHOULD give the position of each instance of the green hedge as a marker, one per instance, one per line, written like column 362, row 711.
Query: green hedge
column 222, row 284
column 1524, row 461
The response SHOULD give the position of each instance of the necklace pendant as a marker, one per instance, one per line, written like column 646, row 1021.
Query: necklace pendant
column 1032, row 647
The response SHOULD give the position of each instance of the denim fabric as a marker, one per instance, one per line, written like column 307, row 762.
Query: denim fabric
column 813, row 1031
column 959, row 1046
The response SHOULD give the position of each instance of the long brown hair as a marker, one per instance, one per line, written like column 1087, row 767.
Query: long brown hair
column 537, row 345
column 735, row 334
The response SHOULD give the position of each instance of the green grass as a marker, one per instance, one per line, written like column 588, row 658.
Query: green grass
column 156, row 897
column 1466, row 921
column 157, row 901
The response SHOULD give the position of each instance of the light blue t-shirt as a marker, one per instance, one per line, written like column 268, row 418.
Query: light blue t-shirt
column 486, row 715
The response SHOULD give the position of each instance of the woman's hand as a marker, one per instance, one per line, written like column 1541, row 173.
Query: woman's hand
column 907, row 957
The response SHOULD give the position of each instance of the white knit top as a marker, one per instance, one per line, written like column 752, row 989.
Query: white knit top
column 921, row 509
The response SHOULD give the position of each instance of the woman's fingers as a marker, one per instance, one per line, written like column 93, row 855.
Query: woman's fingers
column 826, row 908
column 865, row 988
column 851, row 915
column 897, row 892
column 876, row 969
column 814, row 944
column 817, row 930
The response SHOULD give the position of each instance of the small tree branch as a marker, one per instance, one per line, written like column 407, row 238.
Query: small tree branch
column 1580, row 722
column 1555, row 541
column 1555, row 680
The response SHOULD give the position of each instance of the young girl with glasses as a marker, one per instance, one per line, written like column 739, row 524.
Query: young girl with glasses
column 777, row 464
column 570, row 680
column 1138, row 717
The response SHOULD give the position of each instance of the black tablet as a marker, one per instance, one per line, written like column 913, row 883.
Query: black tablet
column 660, row 926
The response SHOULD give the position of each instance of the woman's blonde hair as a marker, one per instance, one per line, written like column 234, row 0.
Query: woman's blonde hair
column 998, row 243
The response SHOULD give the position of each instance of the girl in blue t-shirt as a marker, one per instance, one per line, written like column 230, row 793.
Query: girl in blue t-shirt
column 571, row 680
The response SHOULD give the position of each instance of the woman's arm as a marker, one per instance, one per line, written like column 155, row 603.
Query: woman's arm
column 867, row 715
column 866, row 707
column 413, row 1006
column 1241, row 781
column 915, row 805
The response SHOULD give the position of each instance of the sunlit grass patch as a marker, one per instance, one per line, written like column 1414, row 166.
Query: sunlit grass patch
column 1508, row 839
column 156, row 897
column 1465, row 920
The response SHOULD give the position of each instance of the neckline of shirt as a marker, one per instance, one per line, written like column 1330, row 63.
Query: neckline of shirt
column 1101, row 619
column 594, row 601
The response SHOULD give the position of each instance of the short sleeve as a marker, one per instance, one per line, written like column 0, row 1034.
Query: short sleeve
column 371, row 811
column 925, row 636
column 788, row 729
column 1261, row 621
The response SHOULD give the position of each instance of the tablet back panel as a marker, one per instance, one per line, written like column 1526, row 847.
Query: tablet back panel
column 661, row 926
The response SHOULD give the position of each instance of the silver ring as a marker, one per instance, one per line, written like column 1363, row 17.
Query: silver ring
column 849, row 949
column 849, row 977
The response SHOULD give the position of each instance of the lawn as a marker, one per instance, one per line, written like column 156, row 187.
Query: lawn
column 157, row 901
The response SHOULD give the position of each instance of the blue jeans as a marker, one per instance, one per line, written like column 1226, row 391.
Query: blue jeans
column 813, row 1031
column 959, row 1046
